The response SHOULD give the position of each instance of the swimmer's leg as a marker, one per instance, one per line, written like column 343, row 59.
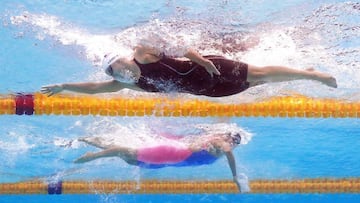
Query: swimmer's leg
column 259, row 75
column 127, row 154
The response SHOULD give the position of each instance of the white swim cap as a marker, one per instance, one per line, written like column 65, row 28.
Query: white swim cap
column 109, row 59
column 240, row 134
column 122, row 75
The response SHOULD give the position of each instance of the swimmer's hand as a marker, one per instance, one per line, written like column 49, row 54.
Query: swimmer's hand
column 52, row 89
column 210, row 68
column 242, row 183
column 193, row 55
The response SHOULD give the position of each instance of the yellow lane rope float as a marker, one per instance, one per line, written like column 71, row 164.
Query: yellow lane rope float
column 347, row 185
column 287, row 106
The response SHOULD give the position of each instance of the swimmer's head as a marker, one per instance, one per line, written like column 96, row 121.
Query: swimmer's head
column 108, row 60
column 235, row 134
column 235, row 138
column 116, row 66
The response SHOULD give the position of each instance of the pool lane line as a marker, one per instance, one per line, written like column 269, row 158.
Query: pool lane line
column 75, row 105
column 299, row 186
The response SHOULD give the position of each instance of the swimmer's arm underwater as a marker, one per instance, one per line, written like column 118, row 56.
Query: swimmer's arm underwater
column 87, row 87
column 229, row 155
column 241, row 182
column 232, row 163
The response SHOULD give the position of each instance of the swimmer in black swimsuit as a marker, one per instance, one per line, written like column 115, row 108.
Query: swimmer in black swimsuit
column 215, row 76
column 186, row 76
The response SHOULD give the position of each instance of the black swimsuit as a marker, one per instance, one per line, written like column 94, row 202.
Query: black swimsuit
column 173, row 75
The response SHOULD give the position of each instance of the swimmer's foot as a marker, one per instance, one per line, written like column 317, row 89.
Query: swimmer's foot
column 82, row 139
column 85, row 158
column 323, row 77
column 95, row 141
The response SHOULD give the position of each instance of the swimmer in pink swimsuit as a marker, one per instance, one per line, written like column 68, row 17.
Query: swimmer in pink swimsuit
column 197, row 152
column 215, row 76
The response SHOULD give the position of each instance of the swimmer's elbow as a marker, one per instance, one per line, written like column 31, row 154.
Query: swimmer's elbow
column 111, row 86
column 92, row 89
column 188, row 51
column 195, row 56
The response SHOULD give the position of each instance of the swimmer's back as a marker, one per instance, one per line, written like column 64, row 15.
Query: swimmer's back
column 173, row 75
column 162, row 156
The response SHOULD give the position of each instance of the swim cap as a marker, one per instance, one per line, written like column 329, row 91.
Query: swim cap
column 236, row 138
column 109, row 59
column 122, row 75
column 237, row 134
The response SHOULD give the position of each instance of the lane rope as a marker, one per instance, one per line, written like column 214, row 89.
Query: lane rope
column 319, row 185
column 287, row 106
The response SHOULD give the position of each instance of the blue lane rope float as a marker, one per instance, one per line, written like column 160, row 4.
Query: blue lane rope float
column 55, row 188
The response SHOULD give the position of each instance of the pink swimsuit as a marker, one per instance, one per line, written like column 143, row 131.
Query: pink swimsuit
column 163, row 154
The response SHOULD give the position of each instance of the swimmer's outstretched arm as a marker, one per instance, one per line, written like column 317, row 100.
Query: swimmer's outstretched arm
column 87, row 87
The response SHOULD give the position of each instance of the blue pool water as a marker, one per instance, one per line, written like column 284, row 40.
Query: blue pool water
column 47, row 42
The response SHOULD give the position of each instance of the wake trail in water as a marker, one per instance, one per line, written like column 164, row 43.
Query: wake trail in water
column 139, row 134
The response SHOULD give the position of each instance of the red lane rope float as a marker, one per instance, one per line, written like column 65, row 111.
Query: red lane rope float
column 289, row 106
column 24, row 104
column 346, row 185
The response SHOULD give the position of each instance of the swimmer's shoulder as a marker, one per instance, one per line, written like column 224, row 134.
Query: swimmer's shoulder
column 145, row 55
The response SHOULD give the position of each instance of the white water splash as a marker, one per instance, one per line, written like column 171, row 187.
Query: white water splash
column 16, row 147
column 96, row 46
column 138, row 134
